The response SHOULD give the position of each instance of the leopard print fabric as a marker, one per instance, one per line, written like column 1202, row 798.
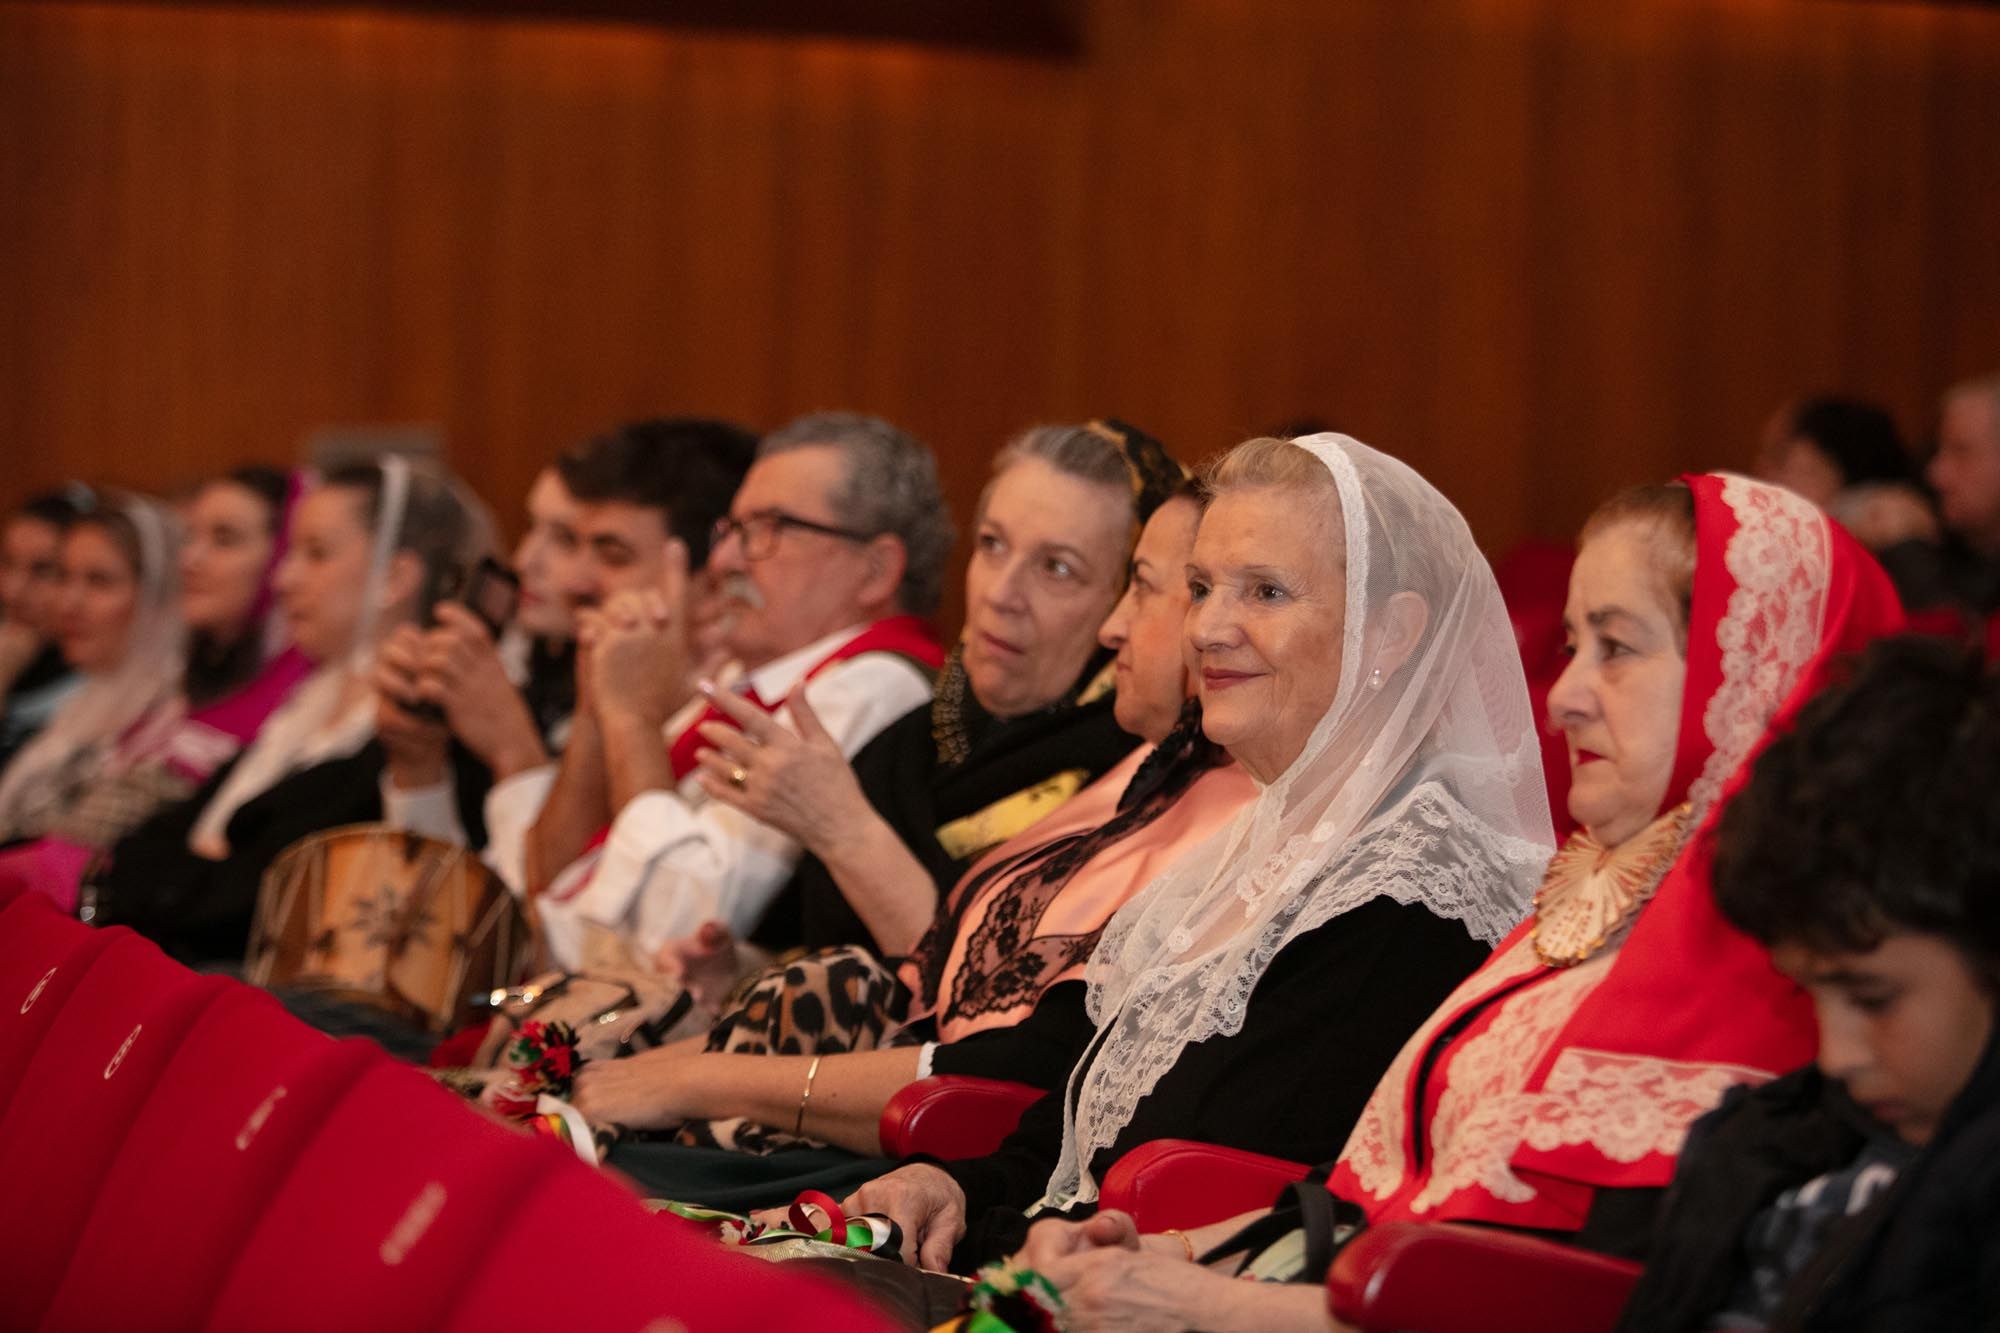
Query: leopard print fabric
column 826, row 1003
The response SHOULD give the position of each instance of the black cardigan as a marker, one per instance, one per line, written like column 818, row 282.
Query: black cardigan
column 1329, row 1014
column 900, row 774
column 1924, row 1257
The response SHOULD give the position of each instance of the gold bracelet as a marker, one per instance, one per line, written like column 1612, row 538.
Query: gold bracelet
column 799, row 1125
column 1182, row 1236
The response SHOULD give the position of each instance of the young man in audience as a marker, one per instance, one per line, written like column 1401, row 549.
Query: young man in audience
column 599, row 523
column 827, row 567
column 1862, row 1192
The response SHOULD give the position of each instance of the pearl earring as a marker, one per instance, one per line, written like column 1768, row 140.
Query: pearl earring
column 1375, row 679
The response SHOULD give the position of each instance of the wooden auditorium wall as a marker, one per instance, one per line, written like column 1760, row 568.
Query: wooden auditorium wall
column 1540, row 249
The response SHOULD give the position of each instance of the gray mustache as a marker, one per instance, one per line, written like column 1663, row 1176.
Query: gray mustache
column 738, row 587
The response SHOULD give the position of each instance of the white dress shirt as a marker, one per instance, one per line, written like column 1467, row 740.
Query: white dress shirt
column 676, row 859
column 512, row 806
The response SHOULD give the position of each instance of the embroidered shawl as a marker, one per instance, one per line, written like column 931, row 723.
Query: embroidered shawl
column 1533, row 1087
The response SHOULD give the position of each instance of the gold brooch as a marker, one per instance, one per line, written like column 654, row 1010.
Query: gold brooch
column 1592, row 893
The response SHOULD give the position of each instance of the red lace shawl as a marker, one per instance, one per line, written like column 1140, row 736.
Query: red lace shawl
column 1540, row 1086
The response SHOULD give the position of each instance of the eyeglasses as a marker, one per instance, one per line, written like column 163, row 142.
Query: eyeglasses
column 760, row 530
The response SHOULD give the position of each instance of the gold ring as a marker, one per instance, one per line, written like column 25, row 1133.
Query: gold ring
column 737, row 777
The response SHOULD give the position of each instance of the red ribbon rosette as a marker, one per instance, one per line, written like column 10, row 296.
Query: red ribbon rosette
column 541, row 1058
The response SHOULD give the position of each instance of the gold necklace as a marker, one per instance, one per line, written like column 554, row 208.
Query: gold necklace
column 1591, row 892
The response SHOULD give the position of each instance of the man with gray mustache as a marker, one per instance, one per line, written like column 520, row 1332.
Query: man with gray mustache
column 819, row 581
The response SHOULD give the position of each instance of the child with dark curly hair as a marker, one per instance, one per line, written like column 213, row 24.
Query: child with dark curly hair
column 1863, row 1191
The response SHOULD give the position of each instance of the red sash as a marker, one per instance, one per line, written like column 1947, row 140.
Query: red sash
column 906, row 636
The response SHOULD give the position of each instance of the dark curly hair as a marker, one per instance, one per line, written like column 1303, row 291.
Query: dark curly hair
column 1877, row 813
column 687, row 468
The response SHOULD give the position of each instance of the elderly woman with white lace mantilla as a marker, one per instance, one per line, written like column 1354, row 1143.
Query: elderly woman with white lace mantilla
column 1353, row 653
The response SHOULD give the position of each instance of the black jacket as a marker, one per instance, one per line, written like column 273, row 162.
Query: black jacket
column 1330, row 1012
column 1922, row 1258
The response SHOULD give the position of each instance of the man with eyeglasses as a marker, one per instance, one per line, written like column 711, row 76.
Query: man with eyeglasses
column 827, row 566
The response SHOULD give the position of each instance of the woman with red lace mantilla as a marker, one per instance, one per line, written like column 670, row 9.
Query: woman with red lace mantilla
column 1552, row 1090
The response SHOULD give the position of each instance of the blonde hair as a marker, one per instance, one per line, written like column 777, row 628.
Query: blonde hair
column 1075, row 451
column 1666, row 509
column 1266, row 461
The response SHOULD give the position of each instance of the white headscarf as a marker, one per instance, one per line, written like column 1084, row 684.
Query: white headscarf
column 312, row 726
column 1421, row 783
column 108, row 702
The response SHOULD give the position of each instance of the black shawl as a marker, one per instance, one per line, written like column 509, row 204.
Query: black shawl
column 200, row 910
column 919, row 792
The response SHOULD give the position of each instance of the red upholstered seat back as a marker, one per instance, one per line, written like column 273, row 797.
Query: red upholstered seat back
column 42, row 954
column 248, row 1089
column 387, row 1212
column 953, row 1116
column 1534, row 582
column 1445, row 1278
column 627, row 1270
column 91, row 1074
column 181, row 1153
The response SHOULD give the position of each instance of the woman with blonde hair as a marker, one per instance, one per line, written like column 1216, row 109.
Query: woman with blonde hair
column 1552, row 1091
column 1353, row 654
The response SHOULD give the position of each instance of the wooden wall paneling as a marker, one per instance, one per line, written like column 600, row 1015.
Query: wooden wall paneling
column 1962, row 268
column 1816, row 191
column 1592, row 240
column 1036, row 27
column 1540, row 248
column 1890, row 189
column 1472, row 214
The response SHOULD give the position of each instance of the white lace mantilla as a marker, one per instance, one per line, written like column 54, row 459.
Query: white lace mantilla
column 1431, row 851
column 1437, row 853
column 1420, row 783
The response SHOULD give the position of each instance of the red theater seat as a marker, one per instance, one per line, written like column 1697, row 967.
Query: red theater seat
column 92, row 1072
column 1534, row 583
column 581, row 1223
column 1408, row 1278
column 387, row 1213
column 626, row 1270
column 42, row 954
column 184, row 1154
column 953, row 1116
column 227, row 1121
column 1395, row 1278
column 1174, row 1183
